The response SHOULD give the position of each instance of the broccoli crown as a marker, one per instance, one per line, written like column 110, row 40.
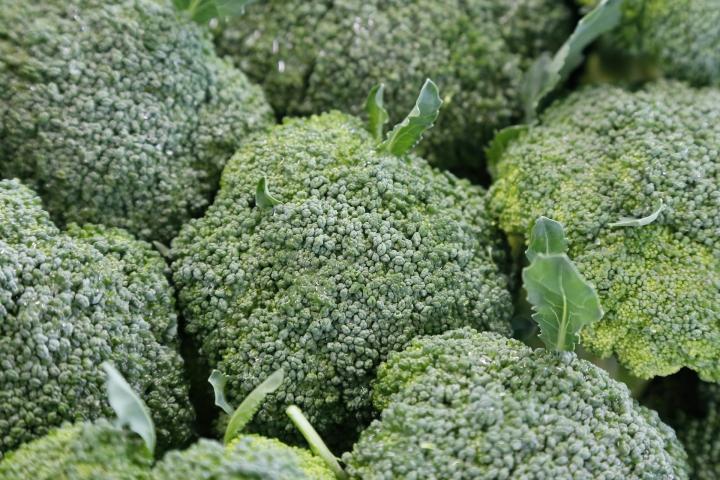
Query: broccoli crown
column 701, row 436
column 118, row 113
column 365, row 252
column 69, row 301
column 82, row 451
column 249, row 457
column 315, row 56
column 605, row 153
column 477, row 405
column 677, row 37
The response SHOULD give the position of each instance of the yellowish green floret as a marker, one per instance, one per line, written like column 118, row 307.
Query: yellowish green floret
column 605, row 153
column 119, row 112
column 364, row 252
column 314, row 56
column 471, row 405
column 69, row 301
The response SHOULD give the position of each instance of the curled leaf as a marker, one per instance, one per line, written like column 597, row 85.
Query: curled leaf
column 263, row 197
column 218, row 382
column 547, row 237
column 131, row 411
column 639, row 222
column 500, row 142
column 317, row 445
column 202, row 11
column 244, row 413
column 377, row 115
column 406, row 134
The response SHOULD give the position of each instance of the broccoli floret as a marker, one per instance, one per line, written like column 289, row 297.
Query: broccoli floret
column 605, row 153
column 70, row 300
column 83, row 451
column 675, row 38
column 313, row 56
column 118, row 113
column 701, row 436
column 365, row 251
column 476, row 405
column 247, row 457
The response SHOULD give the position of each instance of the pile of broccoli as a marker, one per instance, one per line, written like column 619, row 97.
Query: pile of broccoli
column 359, row 310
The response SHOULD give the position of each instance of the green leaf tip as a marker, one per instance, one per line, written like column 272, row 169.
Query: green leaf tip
column 131, row 411
column 406, row 134
column 247, row 409
column 317, row 445
column 218, row 382
column 638, row 222
column 263, row 197
column 547, row 73
column 375, row 108
column 202, row 11
column 499, row 144
column 547, row 237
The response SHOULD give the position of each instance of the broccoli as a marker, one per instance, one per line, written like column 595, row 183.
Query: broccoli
column 314, row 56
column 118, row 113
column 68, row 301
column 476, row 405
column 605, row 153
column 342, row 254
column 674, row 38
column 701, row 436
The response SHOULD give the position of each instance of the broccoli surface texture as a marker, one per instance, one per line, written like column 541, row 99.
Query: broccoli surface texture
column 69, row 301
column 605, row 153
column 118, row 113
column 314, row 56
column 468, row 405
column 701, row 436
column 365, row 251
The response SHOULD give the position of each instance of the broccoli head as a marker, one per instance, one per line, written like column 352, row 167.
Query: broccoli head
column 701, row 436
column 118, row 113
column 365, row 251
column 603, row 154
column 477, row 405
column 313, row 56
column 674, row 38
column 248, row 457
column 70, row 300
column 82, row 451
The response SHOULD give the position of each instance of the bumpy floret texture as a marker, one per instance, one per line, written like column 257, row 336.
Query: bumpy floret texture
column 605, row 153
column 69, row 301
column 118, row 113
column 83, row 451
column 365, row 252
column 468, row 405
column 315, row 56
column 677, row 37
column 249, row 457
column 701, row 436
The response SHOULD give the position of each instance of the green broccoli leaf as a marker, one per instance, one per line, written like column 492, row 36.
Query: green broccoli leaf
column 497, row 147
column 377, row 115
column 406, row 134
column 202, row 11
column 244, row 413
column 317, row 445
column 547, row 74
column 547, row 237
column 129, row 408
column 218, row 381
column 639, row 222
column 563, row 301
column 263, row 197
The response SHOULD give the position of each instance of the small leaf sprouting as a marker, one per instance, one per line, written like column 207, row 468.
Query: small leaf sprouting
column 563, row 301
column 499, row 143
column 131, row 411
column 263, row 197
column 377, row 115
column 639, row 222
column 547, row 237
column 317, row 445
column 548, row 73
column 162, row 249
column 202, row 11
column 244, row 413
column 218, row 381
column 406, row 134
